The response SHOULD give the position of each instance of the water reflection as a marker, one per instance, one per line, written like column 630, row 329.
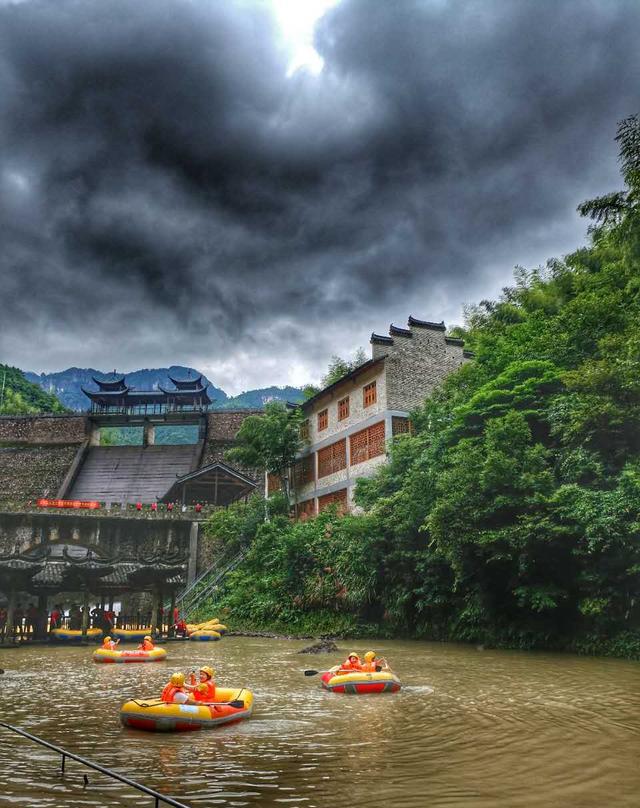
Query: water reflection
column 469, row 729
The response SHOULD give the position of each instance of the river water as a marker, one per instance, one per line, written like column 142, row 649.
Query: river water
column 470, row 729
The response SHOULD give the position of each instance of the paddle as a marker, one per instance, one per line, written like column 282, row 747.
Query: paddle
column 338, row 672
column 238, row 704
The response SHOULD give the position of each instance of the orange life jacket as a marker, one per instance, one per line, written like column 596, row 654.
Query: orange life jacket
column 200, row 694
column 110, row 645
column 369, row 667
column 145, row 645
column 351, row 666
column 169, row 692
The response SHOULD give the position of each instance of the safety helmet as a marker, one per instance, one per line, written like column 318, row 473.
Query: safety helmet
column 177, row 679
column 149, row 638
column 107, row 638
column 209, row 671
column 353, row 653
column 369, row 656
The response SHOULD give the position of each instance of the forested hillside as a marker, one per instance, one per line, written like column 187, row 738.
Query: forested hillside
column 20, row 397
column 512, row 515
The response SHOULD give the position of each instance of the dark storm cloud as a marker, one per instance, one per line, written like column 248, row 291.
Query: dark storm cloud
column 170, row 195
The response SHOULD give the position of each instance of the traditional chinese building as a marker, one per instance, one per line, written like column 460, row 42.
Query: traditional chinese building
column 350, row 424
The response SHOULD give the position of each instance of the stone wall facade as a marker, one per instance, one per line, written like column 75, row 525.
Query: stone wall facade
column 222, row 428
column 419, row 359
column 30, row 472
column 111, row 536
column 43, row 429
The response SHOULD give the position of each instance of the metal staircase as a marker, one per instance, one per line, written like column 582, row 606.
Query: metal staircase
column 206, row 584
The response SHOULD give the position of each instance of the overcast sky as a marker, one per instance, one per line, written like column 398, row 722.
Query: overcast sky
column 250, row 187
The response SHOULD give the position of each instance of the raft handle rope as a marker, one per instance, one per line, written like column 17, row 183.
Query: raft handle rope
column 159, row 798
column 237, row 703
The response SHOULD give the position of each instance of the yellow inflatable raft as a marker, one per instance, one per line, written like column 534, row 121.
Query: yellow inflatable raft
column 209, row 625
column 73, row 635
column 130, row 635
column 205, row 635
column 154, row 715
column 105, row 655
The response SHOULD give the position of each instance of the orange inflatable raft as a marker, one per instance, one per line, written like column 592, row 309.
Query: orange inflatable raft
column 361, row 682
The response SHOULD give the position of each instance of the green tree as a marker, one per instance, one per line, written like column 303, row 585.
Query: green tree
column 270, row 441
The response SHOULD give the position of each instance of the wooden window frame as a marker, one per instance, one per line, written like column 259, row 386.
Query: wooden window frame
column 343, row 408
column 332, row 458
column 367, row 443
column 323, row 419
column 369, row 394
column 304, row 430
column 336, row 497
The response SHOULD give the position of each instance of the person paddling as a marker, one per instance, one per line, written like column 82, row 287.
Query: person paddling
column 109, row 644
column 373, row 664
column 146, row 644
column 206, row 690
column 352, row 663
column 174, row 691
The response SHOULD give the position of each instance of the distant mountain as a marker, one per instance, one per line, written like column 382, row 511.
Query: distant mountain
column 67, row 384
column 256, row 399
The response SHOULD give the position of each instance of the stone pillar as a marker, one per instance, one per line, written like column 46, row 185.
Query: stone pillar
column 170, row 628
column 43, row 617
column 11, row 608
column 155, row 599
column 85, row 614
column 94, row 435
column 149, row 435
column 193, row 553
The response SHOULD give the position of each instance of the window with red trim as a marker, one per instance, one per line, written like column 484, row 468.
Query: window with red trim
column 367, row 443
column 343, row 408
column 369, row 394
column 332, row 458
column 338, row 498
column 323, row 420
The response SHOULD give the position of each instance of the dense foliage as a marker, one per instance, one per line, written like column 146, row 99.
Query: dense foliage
column 512, row 515
column 21, row 397
column 270, row 441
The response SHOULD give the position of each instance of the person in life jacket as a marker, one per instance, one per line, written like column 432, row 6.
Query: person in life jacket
column 110, row 645
column 174, row 691
column 352, row 663
column 206, row 690
column 146, row 644
column 372, row 664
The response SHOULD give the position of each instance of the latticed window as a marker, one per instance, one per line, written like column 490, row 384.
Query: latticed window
column 338, row 497
column 304, row 470
column 400, row 426
column 332, row 458
column 343, row 408
column 304, row 430
column 323, row 420
column 367, row 443
column 274, row 483
column 369, row 394
column 306, row 508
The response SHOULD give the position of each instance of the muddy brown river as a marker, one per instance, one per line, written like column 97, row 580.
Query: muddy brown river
column 470, row 729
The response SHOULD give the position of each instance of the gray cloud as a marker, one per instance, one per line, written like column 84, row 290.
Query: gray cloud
column 170, row 195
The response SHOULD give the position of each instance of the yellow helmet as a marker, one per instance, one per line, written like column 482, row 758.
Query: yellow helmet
column 177, row 679
column 352, row 653
column 209, row 671
column 149, row 638
column 369, row 656
column 107, row 638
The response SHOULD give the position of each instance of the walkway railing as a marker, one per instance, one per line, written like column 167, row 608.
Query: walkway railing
column 205, row 584
column 159, row 798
